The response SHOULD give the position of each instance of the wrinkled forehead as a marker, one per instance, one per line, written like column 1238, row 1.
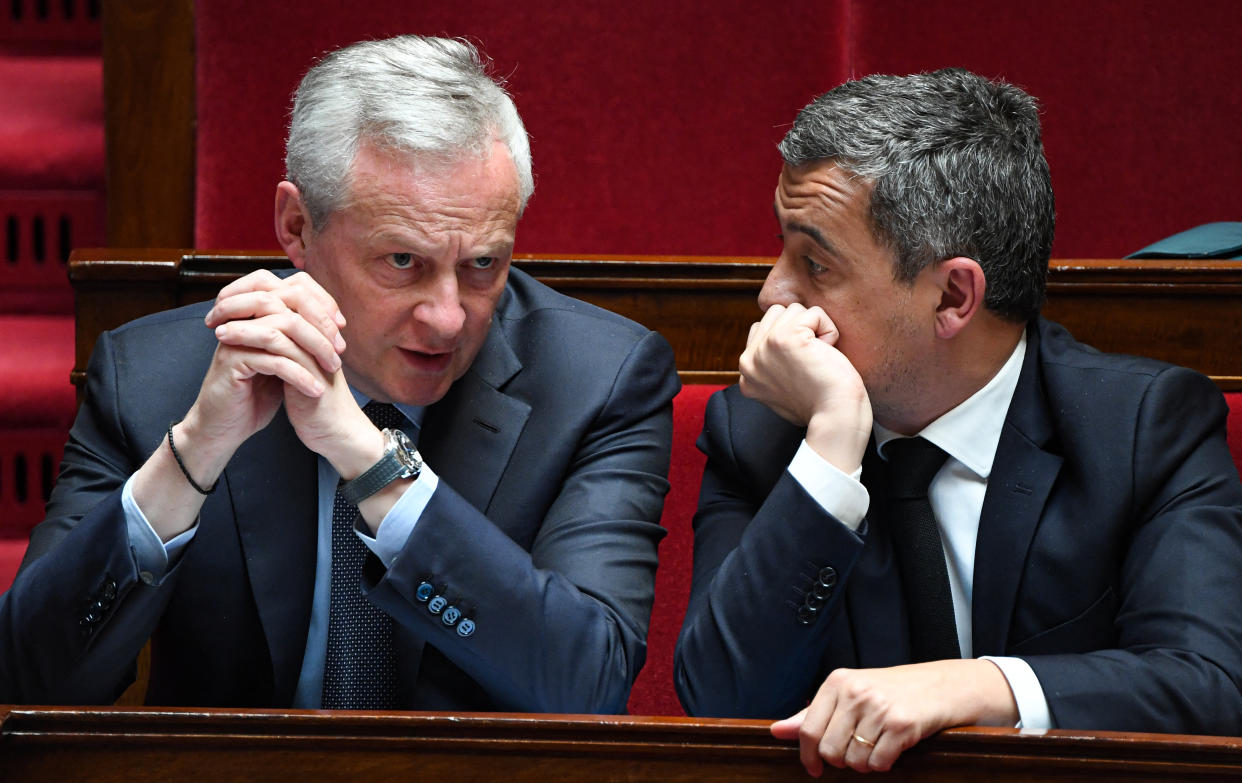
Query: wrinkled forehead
column 821, row 185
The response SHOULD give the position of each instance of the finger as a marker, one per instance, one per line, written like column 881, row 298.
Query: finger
column 258, row 280
column 859, row 749
column 770, row 317
column 750, row 335
column 885, row 753
column 313, row 301
column 254, row 298
column 247, row 304
column 815, row 721
column 838, row 735
column 285, row 334
column 787, row 728
column 244, row 364
column 823, row 326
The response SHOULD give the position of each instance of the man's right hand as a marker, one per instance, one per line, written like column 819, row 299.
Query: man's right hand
column 272, row 331
column 792, row 365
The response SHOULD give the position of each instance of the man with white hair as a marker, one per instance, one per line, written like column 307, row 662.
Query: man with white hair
column 409, row 477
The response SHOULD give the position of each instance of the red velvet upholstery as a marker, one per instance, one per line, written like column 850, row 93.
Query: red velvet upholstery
column 653, row 692
column 51, row 128
column 1140, row 101
column 36, row 354
column 11, row 551
column 36, row 409
column 654, row 124
column 1234, row 399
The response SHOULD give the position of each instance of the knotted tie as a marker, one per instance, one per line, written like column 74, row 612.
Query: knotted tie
column 360, row 671
column 912, row 463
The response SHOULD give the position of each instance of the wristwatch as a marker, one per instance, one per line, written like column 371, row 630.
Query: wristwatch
column 400, row 461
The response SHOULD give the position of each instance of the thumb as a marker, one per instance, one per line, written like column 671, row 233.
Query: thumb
column 787, row 729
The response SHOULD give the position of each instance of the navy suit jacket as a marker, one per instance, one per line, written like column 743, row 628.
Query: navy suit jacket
column 552, row 453
column 1108, row 556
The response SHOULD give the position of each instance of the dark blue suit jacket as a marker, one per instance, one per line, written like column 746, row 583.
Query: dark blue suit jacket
column 552, row 452
column 1108, row 556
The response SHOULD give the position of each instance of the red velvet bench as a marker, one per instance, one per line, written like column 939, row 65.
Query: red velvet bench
column 653, row 692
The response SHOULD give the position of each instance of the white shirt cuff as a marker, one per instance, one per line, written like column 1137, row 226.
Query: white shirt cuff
column 151, row 555
column 841, row 495
column 1028, row 694
column 397, row 525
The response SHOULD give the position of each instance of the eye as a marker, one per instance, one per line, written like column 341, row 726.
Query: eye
column 812, row 267
column 483, row 262
column 401, row 260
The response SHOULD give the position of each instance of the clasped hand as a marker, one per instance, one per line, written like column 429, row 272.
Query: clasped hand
column 279, row 341
column 791, row 364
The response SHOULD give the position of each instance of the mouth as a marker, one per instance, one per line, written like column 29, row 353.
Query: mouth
column 423, row 362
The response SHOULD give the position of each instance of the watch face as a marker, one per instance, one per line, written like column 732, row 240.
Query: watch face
column 405, row 453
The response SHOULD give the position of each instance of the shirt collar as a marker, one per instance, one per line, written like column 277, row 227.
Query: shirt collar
column 970, row 432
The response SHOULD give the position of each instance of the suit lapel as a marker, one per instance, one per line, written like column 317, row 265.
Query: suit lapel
column 468, row 437
column 1022, row 477
column 275, row 502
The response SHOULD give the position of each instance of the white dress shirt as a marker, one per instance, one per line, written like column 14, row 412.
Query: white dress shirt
column 969, row 434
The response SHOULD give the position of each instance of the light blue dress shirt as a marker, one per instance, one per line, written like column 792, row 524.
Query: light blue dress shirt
column 153, row 557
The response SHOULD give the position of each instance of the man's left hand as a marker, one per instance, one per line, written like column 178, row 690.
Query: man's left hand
column 865, row 718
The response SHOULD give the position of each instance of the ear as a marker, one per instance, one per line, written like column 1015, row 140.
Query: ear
column 293, row 223
column 962, row 288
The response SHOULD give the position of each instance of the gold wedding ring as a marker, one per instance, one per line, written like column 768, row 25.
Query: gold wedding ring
column 862, row 741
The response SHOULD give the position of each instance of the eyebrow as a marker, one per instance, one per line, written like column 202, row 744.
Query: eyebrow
column 811, row 231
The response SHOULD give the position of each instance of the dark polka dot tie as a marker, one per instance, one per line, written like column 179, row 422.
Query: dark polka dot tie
column 360, row 671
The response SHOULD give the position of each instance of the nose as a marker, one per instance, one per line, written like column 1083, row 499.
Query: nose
column 440, row 310
column 779, row 286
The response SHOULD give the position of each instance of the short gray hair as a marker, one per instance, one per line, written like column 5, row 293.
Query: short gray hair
column 410, row 94
column 958, row 169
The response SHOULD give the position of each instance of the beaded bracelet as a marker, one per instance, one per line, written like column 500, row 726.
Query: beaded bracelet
column 181, row 465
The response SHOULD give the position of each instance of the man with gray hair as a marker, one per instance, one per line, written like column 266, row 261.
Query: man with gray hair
column 926, row 506
column 407, row 476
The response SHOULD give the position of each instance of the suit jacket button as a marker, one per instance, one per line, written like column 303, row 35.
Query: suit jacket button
column 424, row 592
column 465, row 627
column 437, row 604
column 821, row 591
column 109, row 590
column 451, row 615
column 806, row 615
column 814, row 602
column 827, row 576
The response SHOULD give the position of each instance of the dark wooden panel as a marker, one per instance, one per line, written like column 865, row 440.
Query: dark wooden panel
column 1181, row 311
column 212, row 745
column 149, row 94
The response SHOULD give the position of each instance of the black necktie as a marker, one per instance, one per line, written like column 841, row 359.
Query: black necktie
column 360, row 671
column 912, row 463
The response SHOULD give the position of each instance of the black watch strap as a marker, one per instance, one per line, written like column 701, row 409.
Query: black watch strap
column 400, row 461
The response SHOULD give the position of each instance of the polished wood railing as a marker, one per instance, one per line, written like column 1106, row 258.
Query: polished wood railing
column 68, row 744
column 1186, row 312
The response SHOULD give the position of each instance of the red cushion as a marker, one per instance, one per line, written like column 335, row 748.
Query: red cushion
column 52, row 125
column 1235, row 426
column 11, row 551
column 653, row 692
column 36, row 357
